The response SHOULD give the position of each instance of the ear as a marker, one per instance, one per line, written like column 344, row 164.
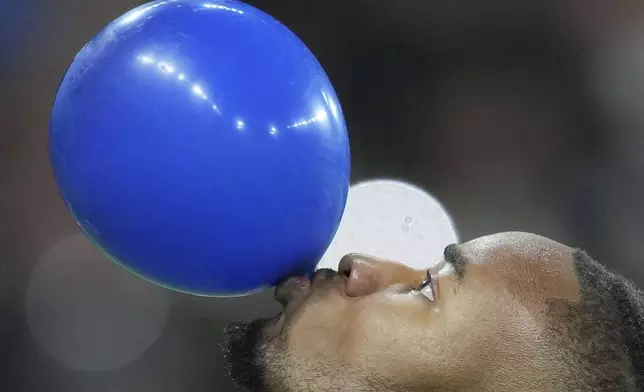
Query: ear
column 393, row 220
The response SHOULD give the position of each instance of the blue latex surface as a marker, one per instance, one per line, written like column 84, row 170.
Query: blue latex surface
column 201, row 145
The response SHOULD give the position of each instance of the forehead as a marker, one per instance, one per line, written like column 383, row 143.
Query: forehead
column 516, row 245
column 530, row 266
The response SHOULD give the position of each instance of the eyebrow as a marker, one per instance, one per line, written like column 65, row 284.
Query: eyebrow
column 454, row 257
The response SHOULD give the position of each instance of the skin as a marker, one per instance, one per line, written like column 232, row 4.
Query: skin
column 367, row 329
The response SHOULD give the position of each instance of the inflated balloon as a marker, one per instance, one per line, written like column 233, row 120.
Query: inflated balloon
column 201, row 145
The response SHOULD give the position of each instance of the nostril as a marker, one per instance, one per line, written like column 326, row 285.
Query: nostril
column 345, row 266
column 361, row 272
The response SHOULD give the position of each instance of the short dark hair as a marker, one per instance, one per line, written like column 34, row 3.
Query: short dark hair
column 603, row 334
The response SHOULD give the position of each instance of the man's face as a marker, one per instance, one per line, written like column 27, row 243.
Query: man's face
column 484, row 326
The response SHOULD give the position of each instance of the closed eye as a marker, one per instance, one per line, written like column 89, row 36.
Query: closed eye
column 427, row 288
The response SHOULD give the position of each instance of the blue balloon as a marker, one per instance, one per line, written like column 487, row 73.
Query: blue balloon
column 201, row 145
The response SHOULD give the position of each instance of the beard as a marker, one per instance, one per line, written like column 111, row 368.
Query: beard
column 242, row 353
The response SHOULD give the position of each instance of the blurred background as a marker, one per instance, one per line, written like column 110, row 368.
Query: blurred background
column 516, row 114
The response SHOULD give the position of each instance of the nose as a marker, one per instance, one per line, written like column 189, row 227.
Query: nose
column 368, row 274
column 361, row 274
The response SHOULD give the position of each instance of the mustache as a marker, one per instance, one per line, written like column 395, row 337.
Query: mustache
column 241, row 350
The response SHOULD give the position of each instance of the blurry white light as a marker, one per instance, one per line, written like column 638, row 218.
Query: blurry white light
column 146, row 59
column 87, row 312
column 392, row 220
column 197, row 90
column 320, row 115
column 223, row 7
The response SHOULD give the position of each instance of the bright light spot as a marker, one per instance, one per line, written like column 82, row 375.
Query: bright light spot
column 321, row 115
column 181, row 76
column 303, row 123
column 134, row 15
column 273, row 130
column 165, row 67
column 216, row 109
column 240, row 125
column 223, row 7
column 297, row 124
column 326, row 98
column 146, row 59
column 334, row 109
column 331, row 104
column 197, row 89
column 393, row 220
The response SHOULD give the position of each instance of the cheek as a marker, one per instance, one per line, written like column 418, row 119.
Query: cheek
column 390, row 332
column 322, row 327
column 480, row 330
column 467, row 332
column 358, row 332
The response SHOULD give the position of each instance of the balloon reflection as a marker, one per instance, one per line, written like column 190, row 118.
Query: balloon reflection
column 331, row 104
column 166, row 67
column 223, row 7
column 320, row 116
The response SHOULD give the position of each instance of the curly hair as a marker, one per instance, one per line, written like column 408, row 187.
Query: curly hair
column 602, row 336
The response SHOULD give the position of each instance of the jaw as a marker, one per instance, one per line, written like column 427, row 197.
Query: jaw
column 257, row 358
column 242, row 352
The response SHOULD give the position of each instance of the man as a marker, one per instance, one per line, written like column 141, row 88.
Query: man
column 506, row 312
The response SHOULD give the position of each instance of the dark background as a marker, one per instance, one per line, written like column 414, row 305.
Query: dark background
column 517, row 114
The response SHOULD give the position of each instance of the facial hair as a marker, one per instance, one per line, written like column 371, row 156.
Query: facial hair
column 242, row 354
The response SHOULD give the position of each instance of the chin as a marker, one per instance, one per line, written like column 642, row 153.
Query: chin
column 243, row 355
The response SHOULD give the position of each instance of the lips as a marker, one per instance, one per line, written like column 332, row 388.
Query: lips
column 290, row 288
column 299, row 286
